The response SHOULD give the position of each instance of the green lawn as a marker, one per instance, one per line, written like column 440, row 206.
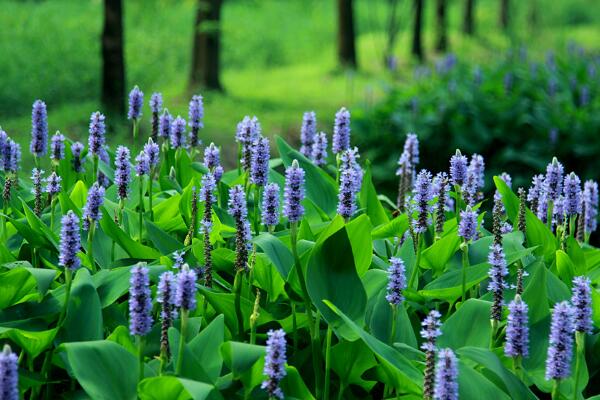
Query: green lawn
column 278, row 56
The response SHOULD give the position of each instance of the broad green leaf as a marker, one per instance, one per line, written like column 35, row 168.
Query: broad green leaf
column 206, row 347
column 239, row 357
column 277, row 252
column 440, row 252
column 457, row 332
column 350, row 360
column 16, row 285
column 84, row 313
column 164, row 242
column 133, row 248
column 369, row 201
column 33, row 342
column 394, row 228
column 473, row 385
column 359, row 233
column 173, row 388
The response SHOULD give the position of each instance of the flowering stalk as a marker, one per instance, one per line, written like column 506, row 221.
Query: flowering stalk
column 522, row 226
column 140, row 310
column 467, row 229
column 517, row 333
column 136, row 101
column 396, row 284
column 270, row 207
column 275, row 360
column 70, row 242
column 430, row 332
column 96, row 139
column 142, row 168
column 207, row 196
column 156, row 102
column 153, row 152
column 185, row 299
column 582, row 307
column 446, row 376
column 458, row 175
column 560, row 349
column 497, row 271
column 91, row 215
column 166, row 298
column 9, row 374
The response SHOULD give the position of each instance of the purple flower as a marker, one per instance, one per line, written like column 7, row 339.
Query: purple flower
column 212, row 158
column 3, row 140
column 349, row 160
column 535, row 192
column 136, row 101
column 446, row 376
column 517, row 329
column 53, row 184
column 142, row 166
column 39, row 129
column 347, row 192
column 195, row 116
column 248, row 131
column 207, row 195
column 178, row 260
column 467, row 228
column 165, row 294
column 97, row 133
column 156, row 103
column 430, row 332
column 164, row 124
column 270, row 205
column 91, row 210
column 319, row 149
column 70, row 242
column 582, row 304
column 475, row 179
column 178, row 139
column 9, row 374
column 458, row 169
column 153, row 152
column 560, row 349
column 275, row 360
column 36, row 178
column 308, row 132
column 238, row 210
column 542, row 208
column 498, row 270
column 140, row 302
column 122, row 172
column 590, row 198
column 185, row 295
column 260, row 162
column 572, row 193
column 559, row 211
column 12, row 156
column 341, row 131
column 423, row 195
column 57, row 147
column 554, row 180
column 396, row 281
column 411, row 147
column 293, row 193
column 584, row 96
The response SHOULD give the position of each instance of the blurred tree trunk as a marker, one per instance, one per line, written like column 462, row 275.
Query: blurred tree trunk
column 469, row 18
column 393, row 27
column 346, row 34
column 113, row 62
column 533, row 15
column 417, row 43
column 504, row 14
column 205, row 54
column 441, row 43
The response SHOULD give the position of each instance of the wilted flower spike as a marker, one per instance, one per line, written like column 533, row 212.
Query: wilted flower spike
column 185, row 296
column 319, row 149
column 582, row 304
column 293, row 194
column 97, row 133
column 165, row 296
column 572, row 193
column 517, row 329
column 91, row 210
column 467, row 229
column 36, row 180
column 9, row 374
column 446, row 376
column 270, row 205
column 57, row 148
column 308, row 132
column 498, row 270
column 458, row 169
column 140, row 301
column 260, row 162
column 70, row 241
column 349, row 186
column 560, row 349
column 275, row 360
column 39, row 129
column 136, row 101
column 440, row 189
column 122, row 172
column 341, row 131
column 178, row 139
column 396, row 281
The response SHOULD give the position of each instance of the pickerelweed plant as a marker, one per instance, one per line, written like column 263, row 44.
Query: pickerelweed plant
column 288, row 275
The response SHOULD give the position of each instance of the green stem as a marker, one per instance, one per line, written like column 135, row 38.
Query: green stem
column 341, row 392
column 556, row 389
column 237, row 288
column 394, row 317
column 150, row 180
column 327, row 362
column 52, row 209
column 458, row 205
column 90, row 249
column 135, row 131
column 256, row 209
column 239, row 165
column 465, row 265
column 184, row 316
column 572, row 225
column 580, row 355
column 140, row 345
column 141, row 208
column 549, row 214
column 68, row 283
column 294, row 328
column 415, row 272
column 493, row 332
column 95, row 167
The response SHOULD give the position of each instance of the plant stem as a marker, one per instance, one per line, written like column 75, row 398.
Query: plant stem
column 415, row 272
column 184, row 316
column 52, row 209
column 68, row 283
column 494, row 329
column 341, row 392
column 294, row 327
column 256, row 210
column 140, row 345
column 556, row 389
column 394, row 317
column 237, row 288
column 580, row 355
column 150, row 181
column 141, row 208
column 465, row 265
column 95, row 167
column 135, row 129
column 549, row 214
column 458, row 204
column 327, row 362
column 90, row 249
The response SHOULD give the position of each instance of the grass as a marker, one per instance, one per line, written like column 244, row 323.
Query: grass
column 278, row 57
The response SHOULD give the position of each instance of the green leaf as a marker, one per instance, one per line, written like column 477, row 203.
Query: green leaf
column 104, row 369
column 84, row 313
column 16, row 285
column 369, row 201
column 79, row 194
column 206, row 347
column 33, row 342
column 164, row 242
column 535, row 293
column 458, row 330
column 395, row 228
column 472, row 385
column 133, row 248
column 359, row 233
column 173, row 388
column 277, row 252
column 239, row 357
column 38, row 226
column 350, row 360
column 440, row 252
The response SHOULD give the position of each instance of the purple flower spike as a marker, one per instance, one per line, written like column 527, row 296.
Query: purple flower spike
column 39, row 129
column 347, row 193
column 178, row 139
column 185, row 295
column 195, row 116
column 411, row 147
column 260, row 162
column 423, row 195
column 341, row 131
column 430, row 332
column 122, row 172
column 582, row 304
column 308, row 132
column 498, row 270
column 572, row 193
column 590, row 198
column 164, row 125
column 275, row 360
column 53, row 184
column 142, row 166
column 446, row 376
column 248, row 131
column 57, row 147
column 97, row 133
column 91, row 210
column 136, row 101
column 560, row 349
column 70, row 242
column 12, row 156
column 153, row 152
column 9, row 374
column 396, row 281
column 212, row 156
column 467, row 229
column 293, row 194
column 535, row 192
column 458, row 169
column 165, row 293
column 475, row 179
column 319, row 149
column 140, row 302
column 156, row 103
column 270, row 205
column 517, row 329
column 554, row 180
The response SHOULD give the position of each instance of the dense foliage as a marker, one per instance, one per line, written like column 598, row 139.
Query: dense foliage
column 150, row 272
column 517, row 112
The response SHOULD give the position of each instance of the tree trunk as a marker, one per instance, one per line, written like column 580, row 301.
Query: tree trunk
column 205, row 54
column 504, row 13
column 441, row 43
column 113, row 62
column 417, row 43
column 346, row 34
column 392, row 33
column 469, row 18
